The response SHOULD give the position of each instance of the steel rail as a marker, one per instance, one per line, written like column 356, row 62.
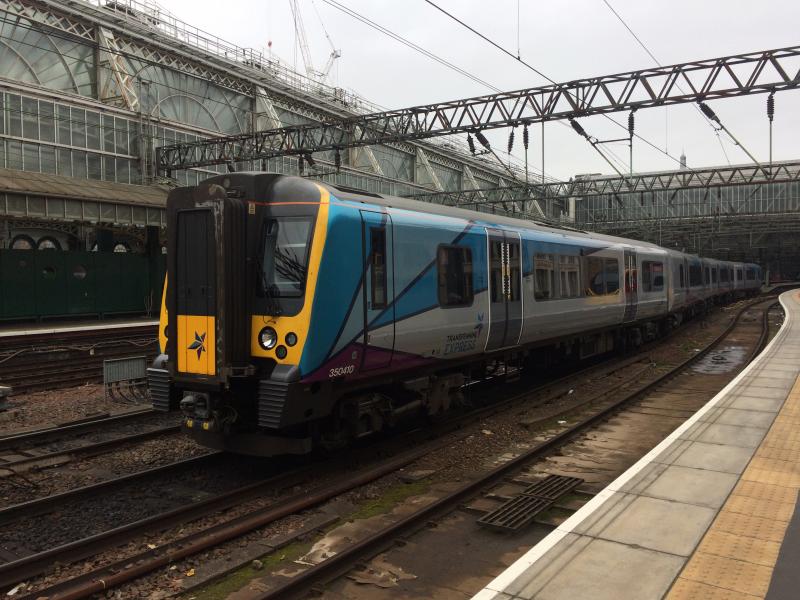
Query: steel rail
column 71, row 552
column 43, row 460
column 75, row 427
column 39, row 506
column 764, row 338
column 130, row 568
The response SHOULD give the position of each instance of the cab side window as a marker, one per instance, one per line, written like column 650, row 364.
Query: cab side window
column 378, row 267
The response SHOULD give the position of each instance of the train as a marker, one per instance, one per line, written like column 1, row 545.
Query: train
column 299, row 314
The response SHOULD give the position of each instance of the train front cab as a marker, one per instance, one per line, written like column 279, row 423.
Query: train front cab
column 236, row 308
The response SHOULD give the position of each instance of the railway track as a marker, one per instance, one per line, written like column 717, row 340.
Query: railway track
column 36, row 362
column 82, row 426
column 58, row 445
column 71, row 551
column 131, row 567
column 344, row 561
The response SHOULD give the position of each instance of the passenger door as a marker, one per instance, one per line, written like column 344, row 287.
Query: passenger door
column 505, row 289
column 195, row 289
column 631, row 285
column 378, row 296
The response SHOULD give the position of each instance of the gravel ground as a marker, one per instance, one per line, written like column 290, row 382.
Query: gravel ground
column 463, row 454
column 79, row 473
column 52, row 407
column 134, row 501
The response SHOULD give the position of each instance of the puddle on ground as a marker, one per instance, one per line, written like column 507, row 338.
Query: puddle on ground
column 724, row 360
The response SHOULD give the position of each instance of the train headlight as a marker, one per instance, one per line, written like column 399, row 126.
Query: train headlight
column 280, row 352
column 267, row 338
column 291, row 338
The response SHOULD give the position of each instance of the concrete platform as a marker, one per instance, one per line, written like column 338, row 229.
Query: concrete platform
column 709, row 513
column 15, row 330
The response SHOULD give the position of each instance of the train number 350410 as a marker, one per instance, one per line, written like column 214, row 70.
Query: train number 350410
column 339, row 371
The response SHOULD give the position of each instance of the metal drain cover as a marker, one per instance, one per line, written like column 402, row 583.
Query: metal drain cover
column 520, row 511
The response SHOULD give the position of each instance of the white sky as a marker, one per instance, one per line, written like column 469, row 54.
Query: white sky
column 565, row 39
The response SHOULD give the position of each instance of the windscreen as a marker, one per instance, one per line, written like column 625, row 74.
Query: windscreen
column 286, row 255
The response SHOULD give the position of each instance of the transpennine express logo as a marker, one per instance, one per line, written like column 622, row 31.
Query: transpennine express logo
column 479, row 324
column 198, row 344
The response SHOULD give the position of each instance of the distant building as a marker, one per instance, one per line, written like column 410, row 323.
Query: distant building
column 90, row 88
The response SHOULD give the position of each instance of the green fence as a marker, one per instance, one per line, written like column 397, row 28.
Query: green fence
column 50, row 283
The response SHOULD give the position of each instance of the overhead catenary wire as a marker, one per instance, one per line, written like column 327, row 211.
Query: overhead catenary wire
column 652, row 56
column 541, row 74
column 406, row 42
column 370, row 23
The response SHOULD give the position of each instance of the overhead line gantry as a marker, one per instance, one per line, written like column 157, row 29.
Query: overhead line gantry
column 583, row 187
column 764, row 71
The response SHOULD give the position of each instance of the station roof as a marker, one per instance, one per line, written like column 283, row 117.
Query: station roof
column 58, row 186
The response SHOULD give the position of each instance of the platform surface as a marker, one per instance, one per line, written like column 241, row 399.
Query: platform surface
column 20, row 329
column 709, row 513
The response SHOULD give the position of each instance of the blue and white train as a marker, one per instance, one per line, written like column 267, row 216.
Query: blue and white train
column 299, row 313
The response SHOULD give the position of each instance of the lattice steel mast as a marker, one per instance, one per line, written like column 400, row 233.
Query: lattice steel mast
column 730, row 76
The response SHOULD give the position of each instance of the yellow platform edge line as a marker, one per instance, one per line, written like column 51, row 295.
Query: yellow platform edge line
column 733, row 559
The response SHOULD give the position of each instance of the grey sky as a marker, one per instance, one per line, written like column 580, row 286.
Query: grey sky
column 564, row 39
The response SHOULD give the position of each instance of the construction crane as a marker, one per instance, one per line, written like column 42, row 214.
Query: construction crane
column 302, row 41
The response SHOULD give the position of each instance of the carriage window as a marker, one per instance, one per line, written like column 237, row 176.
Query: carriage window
column 545, row 277
column 515, row 283
column 739, row 275
column 751, row 274
column 378, row 267
column 723, row 275
column 612, row 275
column 595, row 277
column 714, row 275
column 653, row 276
column 454, row 264
column 496, row 287
column 681, row 276
column 695, row 275
column 569, row 276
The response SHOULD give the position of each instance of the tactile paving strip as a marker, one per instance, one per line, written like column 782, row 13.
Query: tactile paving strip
column 737, row 555
column 694, row 590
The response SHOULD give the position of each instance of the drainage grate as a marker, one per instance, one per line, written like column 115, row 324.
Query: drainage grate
column 519, row 512
column 552, row 487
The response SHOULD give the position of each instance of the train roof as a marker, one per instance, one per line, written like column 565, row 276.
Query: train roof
column 257, row 183
column 345, row 193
